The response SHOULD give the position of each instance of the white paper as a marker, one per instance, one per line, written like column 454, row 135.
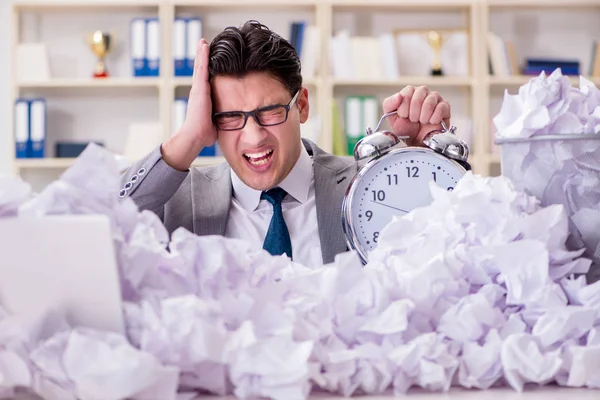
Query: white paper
column 475, row 290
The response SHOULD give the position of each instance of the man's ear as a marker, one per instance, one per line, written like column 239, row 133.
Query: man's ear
column 303, row 106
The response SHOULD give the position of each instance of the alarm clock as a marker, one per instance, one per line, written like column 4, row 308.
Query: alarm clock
column 395, row 179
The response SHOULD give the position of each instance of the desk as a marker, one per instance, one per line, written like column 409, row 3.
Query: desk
column 550, row 392
column 541, row 393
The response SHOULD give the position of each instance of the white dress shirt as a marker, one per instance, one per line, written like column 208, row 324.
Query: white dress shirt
column 249, row 216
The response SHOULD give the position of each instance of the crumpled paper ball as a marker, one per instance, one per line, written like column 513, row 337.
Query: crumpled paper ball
column 13, row 192
column 549, row 136
column 476, row 290
column 547, row 105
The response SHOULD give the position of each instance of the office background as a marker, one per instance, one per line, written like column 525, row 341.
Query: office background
column 127, row 113
column 5, row 94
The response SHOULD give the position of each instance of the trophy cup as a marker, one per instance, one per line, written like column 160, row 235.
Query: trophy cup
column 435, row 41
column 100, row 43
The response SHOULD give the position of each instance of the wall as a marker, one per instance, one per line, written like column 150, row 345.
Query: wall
column 5, row 71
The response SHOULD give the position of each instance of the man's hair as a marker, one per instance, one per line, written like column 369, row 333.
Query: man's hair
column 238, row 51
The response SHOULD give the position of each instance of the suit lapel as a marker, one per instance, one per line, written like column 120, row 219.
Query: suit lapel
column 332, row 177
column 211, row 197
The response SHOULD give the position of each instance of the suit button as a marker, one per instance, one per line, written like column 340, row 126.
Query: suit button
column 128, row 185
column 122, row 193
column 133, row 178
column 141, row 171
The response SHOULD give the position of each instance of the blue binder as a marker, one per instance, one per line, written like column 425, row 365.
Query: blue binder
column 37, row 127
column 192, row 37
column 179, row 47
column 138, row 47
column 153, row 47
column 21, row 128
column 208, row 151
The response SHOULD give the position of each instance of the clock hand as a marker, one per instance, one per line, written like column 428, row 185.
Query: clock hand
column 386, row 205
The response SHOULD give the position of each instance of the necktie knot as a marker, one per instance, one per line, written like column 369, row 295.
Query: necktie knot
column 274, row 196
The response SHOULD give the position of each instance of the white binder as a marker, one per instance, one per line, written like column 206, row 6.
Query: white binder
column 21, row 128
column 193, row 36
column 179, row 47
column 154, row 44
column 37, row 131
column 138, row 46
column 179, row 112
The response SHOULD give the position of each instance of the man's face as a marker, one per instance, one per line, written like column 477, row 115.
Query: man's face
column 261, row 156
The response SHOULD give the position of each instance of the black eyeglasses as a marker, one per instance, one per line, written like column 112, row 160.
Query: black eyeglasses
column 265, row 116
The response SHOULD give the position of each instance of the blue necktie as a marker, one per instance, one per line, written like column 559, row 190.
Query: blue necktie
column 278, row 239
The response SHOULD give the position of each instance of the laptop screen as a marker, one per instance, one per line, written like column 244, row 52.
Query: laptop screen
column 64, row 264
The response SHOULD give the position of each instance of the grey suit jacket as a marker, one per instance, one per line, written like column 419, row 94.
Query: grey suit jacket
column 199, row 199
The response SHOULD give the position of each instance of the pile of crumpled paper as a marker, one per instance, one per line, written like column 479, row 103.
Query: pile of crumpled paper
column 549, row 135
column 476, row 290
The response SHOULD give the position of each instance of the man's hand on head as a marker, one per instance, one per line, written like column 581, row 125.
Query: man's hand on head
column 198, row 130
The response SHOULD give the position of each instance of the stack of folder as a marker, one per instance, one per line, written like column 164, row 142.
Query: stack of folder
column 30, row 127
column 187, row 32
column 145, row 46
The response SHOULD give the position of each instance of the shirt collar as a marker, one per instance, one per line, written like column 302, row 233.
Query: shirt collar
column 296, row 184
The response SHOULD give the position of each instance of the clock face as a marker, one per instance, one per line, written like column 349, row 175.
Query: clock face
column 394, row 184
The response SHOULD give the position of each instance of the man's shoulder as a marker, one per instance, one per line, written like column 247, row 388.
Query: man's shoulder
column 328, row 160
column 211, row 171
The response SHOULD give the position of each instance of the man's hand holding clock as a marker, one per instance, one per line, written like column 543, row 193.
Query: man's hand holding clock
column 419, row 112
column 397, row 179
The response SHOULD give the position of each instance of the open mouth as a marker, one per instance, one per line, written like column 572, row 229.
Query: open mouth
column 260, row 158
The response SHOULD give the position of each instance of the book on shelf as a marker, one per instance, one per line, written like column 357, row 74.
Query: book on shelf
column 297, row 36
column 535, row 66
column 32, row 62
column 595, row 59
column 360, row 112
column 503, row 60
column 306, row 39
column 502, row 56
column 390, row 55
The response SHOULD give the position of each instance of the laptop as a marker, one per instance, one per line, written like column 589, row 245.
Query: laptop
column 64, row 264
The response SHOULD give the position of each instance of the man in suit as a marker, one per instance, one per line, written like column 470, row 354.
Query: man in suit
column 276, row 190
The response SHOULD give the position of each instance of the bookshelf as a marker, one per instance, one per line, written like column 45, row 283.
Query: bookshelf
column 83, row 108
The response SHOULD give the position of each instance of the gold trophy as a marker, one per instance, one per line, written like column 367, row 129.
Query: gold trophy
column 435, row 41
column 100, row 43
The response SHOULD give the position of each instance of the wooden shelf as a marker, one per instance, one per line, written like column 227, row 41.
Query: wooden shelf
column 566, row 4
column 238, row 4
column 408, row 80
column 44, row 163
column 185, row 81
column 91, row 5
column 89, row 83
column 405, row 4
column 63, row 163
column 519, row 80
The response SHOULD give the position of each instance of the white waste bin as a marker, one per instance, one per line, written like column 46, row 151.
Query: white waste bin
column 561, row 169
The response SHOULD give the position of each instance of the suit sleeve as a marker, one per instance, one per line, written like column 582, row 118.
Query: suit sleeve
column 151, row 183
